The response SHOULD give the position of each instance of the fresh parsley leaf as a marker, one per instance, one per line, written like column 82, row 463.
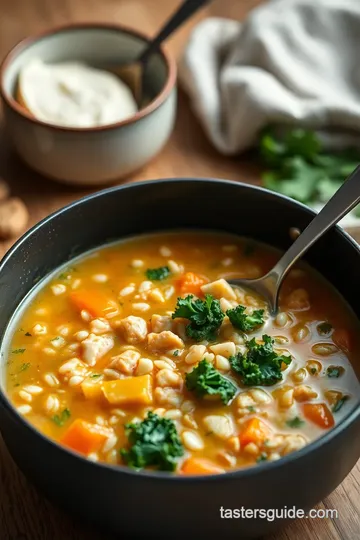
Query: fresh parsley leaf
column 326, row 188
column 261, row 365
column 262, row 457
column 61, row 418
column 205, row 380
column 302, row 142
column 324, row 328
column 295, row 422
column 297, row 179
column 205, row 316
column 313, row 371
column 158, row 274
column 334, row 372
column 55, row 338
column 341, row 164
column 153, row 442
column 18, row 351
column 251, row 409
column 28, row 334
column 299, row 167
column 17, row 384
column 176, row 353
column 340, row 402
column 239, row 319
column 95, row 375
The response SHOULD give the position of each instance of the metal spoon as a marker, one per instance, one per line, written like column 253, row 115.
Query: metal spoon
column 133, row 72
column 342, row 202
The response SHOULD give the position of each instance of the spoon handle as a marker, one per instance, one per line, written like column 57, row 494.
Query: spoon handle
column 344, row 200
column 185, row 11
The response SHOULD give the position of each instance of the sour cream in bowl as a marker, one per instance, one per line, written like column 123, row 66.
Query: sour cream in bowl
column 74, row 94
column 73, row 121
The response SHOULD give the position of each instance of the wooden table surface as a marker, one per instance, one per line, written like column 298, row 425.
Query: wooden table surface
column 24, row 514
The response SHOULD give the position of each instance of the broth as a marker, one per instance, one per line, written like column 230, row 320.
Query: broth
column 96, row 348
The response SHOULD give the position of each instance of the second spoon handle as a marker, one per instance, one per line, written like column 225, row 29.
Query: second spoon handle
column 344, row 200
column 188, row 8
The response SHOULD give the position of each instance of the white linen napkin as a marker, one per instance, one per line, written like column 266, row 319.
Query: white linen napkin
column 292, row 62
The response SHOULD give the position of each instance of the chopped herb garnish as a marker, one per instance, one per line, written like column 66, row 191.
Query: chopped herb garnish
column 61, row 418
column 158, row 274
column 153, row 442
column 244, row 322
column 313, row 371
column 205, row 380
column 251, row 409
column 17, row 384
column 18, row 351
column 261, row 365
column 208, row 433
column 324, row 328
column 205, row 316
column 295, row 422
column 55, row 338
column 340, row 402
column 334, row 372
column 95, row 375
column 176, row 353
column 28, row 334
column 262, row 457
column 24, row 367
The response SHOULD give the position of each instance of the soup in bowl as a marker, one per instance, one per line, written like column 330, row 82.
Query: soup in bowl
column 142, row 354
column 134, row 376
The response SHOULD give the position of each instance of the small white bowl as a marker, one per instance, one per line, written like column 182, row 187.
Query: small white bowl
column 98, row 155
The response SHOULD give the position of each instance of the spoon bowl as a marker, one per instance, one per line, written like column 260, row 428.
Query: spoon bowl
column 341, row 203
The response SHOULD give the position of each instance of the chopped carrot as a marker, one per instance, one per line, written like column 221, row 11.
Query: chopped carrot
column 199, row 466
column 97, row 303
column 191, row 283
column 130, row 391
column 256, row 431
column 341, row 338
column 320, row 414
column 84, row 437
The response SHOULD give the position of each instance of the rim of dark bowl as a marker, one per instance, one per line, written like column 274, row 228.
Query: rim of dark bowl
column 236, row 474
column 24, row 44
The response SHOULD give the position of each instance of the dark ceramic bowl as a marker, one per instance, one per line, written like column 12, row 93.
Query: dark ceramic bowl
column 148, row 504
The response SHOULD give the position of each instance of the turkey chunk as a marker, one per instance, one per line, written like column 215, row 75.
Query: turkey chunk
column 219, row 289
column 159, row 323
column 125, row 362
column 164, row 341
column 220, row 425
column 134, row 329
column 95, row 347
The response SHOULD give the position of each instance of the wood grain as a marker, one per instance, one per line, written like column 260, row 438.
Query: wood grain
column 25, row 514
